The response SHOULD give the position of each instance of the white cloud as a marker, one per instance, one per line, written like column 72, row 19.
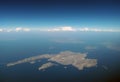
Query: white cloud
column 98, row 30
column 9, row 30
column 71, row 29
column 22, row 29
column 84, row 29
column 18, row 29
column 58, row 29
column 26, row 29
column 66, row 28
column 1, row 30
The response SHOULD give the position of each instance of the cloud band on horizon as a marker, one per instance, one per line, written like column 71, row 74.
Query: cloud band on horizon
column 58, row 29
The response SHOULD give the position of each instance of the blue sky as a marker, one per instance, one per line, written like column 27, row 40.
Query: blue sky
column 52, row 13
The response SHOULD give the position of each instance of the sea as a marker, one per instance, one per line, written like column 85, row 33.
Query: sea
column 17, row 46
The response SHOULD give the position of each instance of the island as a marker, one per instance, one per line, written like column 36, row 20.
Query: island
column 78, row 60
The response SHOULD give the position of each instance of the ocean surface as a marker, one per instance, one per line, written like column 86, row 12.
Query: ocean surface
column 16, row 47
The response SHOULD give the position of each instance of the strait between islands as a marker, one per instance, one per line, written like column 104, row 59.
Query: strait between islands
column 77, row 60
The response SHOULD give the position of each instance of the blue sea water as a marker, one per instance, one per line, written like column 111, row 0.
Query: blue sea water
column 14, row 47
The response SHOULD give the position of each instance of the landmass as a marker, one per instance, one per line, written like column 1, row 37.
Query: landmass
column 46, row 65
column 77, row 60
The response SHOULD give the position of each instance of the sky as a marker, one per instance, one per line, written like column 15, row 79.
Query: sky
column 60, row 13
